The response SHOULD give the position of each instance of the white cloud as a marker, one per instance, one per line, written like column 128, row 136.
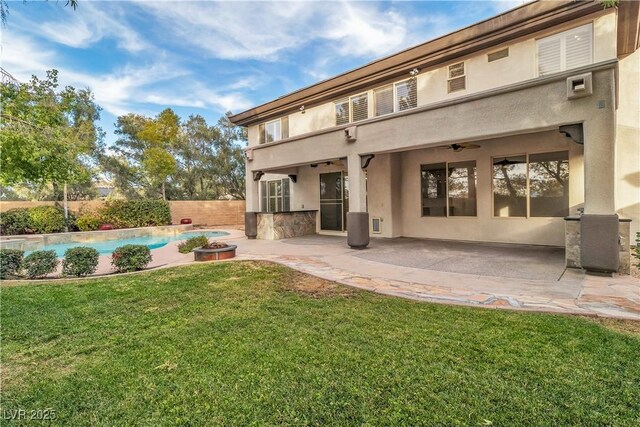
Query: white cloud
column 88, row 25
column 265, row 30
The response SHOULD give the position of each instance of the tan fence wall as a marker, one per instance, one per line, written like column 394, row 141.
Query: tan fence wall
column 201, row 212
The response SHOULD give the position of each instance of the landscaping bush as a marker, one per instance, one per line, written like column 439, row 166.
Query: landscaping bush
column 89, row 221
column 136, row 213
column 40, row 263
column 10, row 263
column 131, row 258
column 192, row 243
column 47, row 219
column 15, row 221
column 80, row 261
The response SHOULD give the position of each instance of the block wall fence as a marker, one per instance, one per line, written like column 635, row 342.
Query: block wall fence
column 201, row 212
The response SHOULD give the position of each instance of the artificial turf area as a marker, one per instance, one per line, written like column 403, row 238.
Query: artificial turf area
column 248, row 343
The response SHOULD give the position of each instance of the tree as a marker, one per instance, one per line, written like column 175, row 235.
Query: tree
column 47, row 136
column 186, row 160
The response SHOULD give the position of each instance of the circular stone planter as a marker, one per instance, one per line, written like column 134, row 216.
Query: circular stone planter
column 227, row 252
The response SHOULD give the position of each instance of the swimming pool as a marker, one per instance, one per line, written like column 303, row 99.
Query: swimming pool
column 106, row 247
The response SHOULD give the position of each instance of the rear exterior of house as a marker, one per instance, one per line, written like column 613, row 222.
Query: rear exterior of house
column 519, row 129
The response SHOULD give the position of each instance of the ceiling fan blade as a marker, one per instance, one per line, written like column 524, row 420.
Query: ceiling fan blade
column 470, row 146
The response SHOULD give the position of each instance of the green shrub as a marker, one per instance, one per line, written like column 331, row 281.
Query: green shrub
column 130, row 258
column 80, row 261
column 89, row 221
column 136, row 213
column 40, row 263
column 15, row 221
column 10, row 263
column 47, row 219
column 192, row 243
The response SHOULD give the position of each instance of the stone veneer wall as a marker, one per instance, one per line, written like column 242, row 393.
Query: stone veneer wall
column 572, row 244
column 282, row 225
column 201, row 212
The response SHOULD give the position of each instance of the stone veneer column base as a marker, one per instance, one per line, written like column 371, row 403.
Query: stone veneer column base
column 573, row 239
column 358, row 229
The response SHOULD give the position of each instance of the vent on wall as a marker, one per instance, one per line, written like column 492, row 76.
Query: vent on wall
column 375, row 225
column 499, row 54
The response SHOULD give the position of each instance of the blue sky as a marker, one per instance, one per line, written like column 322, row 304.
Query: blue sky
column 209, row 57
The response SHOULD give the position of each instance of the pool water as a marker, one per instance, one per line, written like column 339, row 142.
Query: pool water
column 106, row 247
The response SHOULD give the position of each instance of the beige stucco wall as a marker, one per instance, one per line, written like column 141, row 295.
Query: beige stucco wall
column 484, row 226
column 482, row 75
column 628, row 142
column 520, row 119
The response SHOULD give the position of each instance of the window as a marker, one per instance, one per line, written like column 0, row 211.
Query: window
column 462, row 188
column 499, row 54
column 457, row 78
column 342, row 112
column 274, row 130
column 564, row 51
column 449, row 189
column 359, row 107
column 275, row 196
column 536, row 185
column 383, row 99
column 549, row 184
column 396, row 97
column 406, row 94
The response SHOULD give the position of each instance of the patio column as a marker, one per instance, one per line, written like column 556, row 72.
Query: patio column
column 357, row 217
column 252, row 204
column 599, row 224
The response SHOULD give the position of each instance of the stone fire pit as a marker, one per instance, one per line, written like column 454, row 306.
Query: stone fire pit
column 214, row 251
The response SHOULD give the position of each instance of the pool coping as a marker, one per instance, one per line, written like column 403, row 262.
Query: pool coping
column 31, row 242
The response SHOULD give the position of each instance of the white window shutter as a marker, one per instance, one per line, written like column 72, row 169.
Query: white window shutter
column 360, row 107
column 579, row 47
column 549, row 55
column 342, row 112
column 383, row 100
column 407, row 94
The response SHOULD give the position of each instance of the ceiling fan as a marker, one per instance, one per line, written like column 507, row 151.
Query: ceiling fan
column 459, row 147
column 506, row 162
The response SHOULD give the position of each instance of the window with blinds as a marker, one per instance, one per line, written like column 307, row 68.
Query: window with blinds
column 383, row 99
column 406, row 94
column 275, row 195
column 359, row 107
column 342, row 112
column 457, row 79
column 274, row 130
column 563, row 51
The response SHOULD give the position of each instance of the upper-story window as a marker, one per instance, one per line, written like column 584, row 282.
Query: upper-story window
column 457, row 79
column 352, row 109
column 395, row 97
column 274, row 130
column 563, row 51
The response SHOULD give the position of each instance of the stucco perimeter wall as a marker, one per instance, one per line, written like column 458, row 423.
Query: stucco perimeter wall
column 201, row 212
column 628, row 142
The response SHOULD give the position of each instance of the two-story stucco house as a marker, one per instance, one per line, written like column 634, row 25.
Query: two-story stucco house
column 522, row 128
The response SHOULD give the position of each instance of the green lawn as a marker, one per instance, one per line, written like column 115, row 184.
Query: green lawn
column 252, row 343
